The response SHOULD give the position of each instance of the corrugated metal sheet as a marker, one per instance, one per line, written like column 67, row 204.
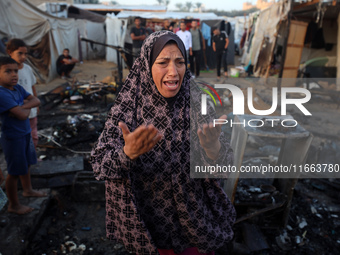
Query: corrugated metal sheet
column 98, row 7
column 169, row 15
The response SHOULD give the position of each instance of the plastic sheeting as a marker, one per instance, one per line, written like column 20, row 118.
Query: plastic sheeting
column 93, row 31
column 47, row 35
column 116, row 30
column 238, row 24
column 266, row 29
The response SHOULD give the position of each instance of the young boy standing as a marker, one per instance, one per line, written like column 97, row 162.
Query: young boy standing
column 17, row 49
column 16, row 141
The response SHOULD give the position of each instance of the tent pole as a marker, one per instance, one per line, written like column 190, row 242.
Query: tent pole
column 284, row 50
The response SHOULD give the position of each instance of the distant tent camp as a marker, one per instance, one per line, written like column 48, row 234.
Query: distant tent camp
column 48, row 35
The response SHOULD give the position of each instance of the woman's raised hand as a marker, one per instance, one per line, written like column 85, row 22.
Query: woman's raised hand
column 140, row 141
column 209, row 138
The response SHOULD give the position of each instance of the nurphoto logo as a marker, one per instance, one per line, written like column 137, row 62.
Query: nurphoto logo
column 238, row 104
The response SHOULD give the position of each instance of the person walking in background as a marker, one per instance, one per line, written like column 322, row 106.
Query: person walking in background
column 17, row 49
column 186, row 38
column 220, row 45
column 16, row 142
column 138, row 35
column 65, row 64
column 198, row 44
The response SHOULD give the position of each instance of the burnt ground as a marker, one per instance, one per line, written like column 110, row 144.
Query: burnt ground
column 74, row 221
column 313, row 225
column 73, row 227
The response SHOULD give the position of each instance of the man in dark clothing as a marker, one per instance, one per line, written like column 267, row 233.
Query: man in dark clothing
column 138, row 35
column 198, row 44
column 220, row 45
column 167, row 25
column 65, row 64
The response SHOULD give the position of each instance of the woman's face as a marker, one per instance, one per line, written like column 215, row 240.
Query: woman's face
column 168, row 71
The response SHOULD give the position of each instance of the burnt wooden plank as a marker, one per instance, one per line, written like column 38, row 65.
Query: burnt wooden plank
column 58, row 166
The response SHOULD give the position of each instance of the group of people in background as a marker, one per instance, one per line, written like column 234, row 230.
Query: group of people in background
column 194, row 44
column 193, row 41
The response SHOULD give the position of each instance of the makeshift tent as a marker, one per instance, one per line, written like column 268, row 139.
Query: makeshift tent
column 99, row 28
column 238, row 24
column 311, row 32
column 322, row 19
column 116, row 30
column 93, row 31
column 91, row 26
column 47, row 35
column 259, row 52
column 77, row 13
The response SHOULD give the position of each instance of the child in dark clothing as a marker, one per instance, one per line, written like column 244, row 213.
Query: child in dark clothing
column 16, row 141
column 65, row 64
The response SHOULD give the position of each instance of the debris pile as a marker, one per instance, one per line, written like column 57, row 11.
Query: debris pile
column 80, row 92
column 74, row 130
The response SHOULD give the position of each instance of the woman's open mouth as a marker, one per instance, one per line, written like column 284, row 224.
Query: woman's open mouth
column 171, row 84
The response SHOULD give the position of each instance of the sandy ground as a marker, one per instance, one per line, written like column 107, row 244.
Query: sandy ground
column 89, row 70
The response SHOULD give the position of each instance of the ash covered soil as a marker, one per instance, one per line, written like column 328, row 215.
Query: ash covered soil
column 78, row 227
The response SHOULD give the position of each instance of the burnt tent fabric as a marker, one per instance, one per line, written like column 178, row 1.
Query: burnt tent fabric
column 318, row 40
column 152, row 202
column 311, row 32
column 76, row 13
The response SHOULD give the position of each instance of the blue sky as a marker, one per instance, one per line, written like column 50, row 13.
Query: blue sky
column 226, row 5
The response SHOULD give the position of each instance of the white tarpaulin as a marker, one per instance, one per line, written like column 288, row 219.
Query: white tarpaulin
column 94, row 31
column 115, row 35
column 238, row 24
column 48, row 35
